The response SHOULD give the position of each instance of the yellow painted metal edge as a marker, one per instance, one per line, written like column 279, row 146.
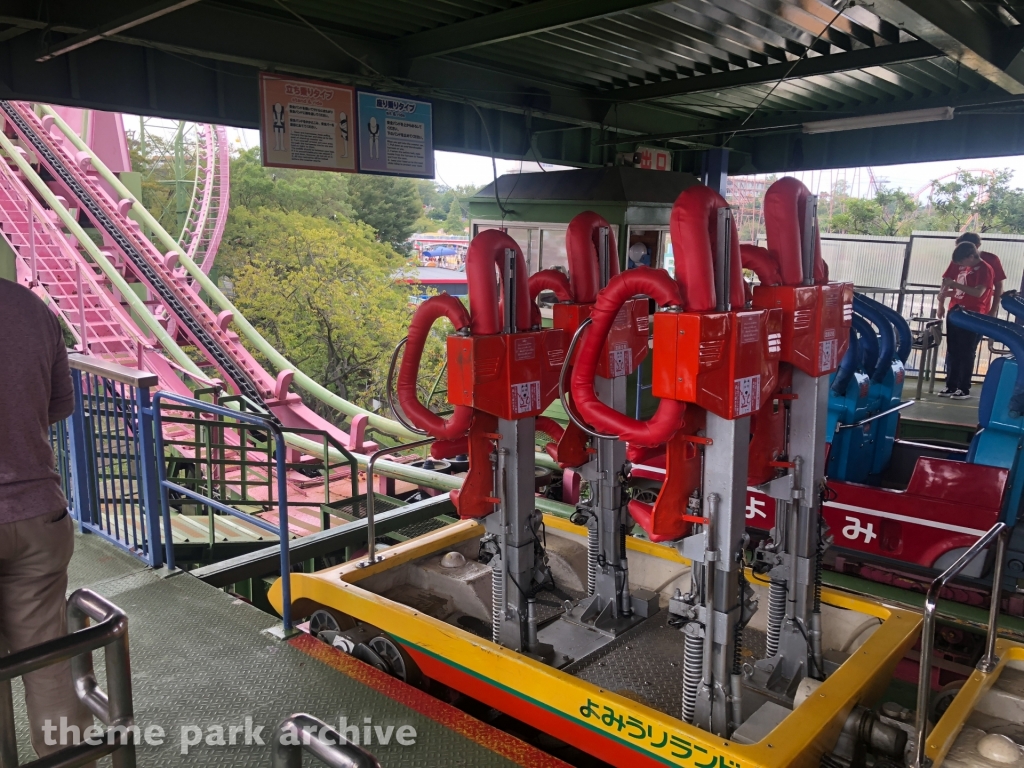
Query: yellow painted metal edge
column 941, row 739
column 406, row 551
column 634, row 544
column 798, row 741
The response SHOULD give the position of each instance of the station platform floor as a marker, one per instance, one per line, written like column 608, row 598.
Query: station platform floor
column 202, row 658
column 931, row 407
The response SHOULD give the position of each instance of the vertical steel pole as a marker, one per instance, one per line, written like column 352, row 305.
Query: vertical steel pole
column 147, row 475
column 716, row 169
column 161, row 479
column 31, row 241
column 282, row 516
column 905, row 274
column 80, row 456
column 84, row 331
column 807, row 243
column 989, row 660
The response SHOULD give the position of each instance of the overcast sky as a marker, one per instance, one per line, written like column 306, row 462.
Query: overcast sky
column 455, row 169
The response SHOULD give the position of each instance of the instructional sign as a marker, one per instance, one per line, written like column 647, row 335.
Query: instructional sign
column 306, row 124
column 396, row 135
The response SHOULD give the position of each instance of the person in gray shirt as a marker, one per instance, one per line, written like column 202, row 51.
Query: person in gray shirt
column 36, row 531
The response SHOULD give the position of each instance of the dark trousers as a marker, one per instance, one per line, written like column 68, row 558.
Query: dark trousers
column 961, row 347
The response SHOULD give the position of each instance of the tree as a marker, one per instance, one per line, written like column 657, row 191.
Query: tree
column 1001, row 209
column 890, row 212
column 389, row 204
column 313, row 193
column 327, row 294
column 897, row 209
column 956, row 200
column 454, row 225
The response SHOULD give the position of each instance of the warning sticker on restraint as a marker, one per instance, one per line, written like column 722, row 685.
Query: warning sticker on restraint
column 746, row 395
column 750, row 329
column 826, row 355
column 526, row 397
column 620, row 361
column 621, row 318
column 526, row 348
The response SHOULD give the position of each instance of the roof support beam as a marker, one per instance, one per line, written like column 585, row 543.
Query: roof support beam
column 115, row 26
column 529, row 19
column 808, row 67
column 993, row 52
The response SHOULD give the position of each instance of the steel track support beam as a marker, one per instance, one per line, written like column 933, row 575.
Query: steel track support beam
column 114, row 27
column 529, row 19
column 957, row 30
column 883, row 55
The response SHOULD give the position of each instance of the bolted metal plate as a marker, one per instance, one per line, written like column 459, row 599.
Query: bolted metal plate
column 200, row 658
column 644, row 664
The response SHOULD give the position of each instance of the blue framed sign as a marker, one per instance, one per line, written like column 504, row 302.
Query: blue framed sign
column 396, row 135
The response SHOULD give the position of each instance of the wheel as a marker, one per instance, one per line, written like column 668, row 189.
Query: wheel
column 322, row 621
column 942, row 699
column 401, row 665
column 388, row 651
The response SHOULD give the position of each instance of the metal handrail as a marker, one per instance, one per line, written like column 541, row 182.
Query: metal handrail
column 100, row 367
column 574, row 417
column 116, row 710
column 371, row 554
column 302, row 732
column 882, row 414
column 1000, row 533
column 282, row 487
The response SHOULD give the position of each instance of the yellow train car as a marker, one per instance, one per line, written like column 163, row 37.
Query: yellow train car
column 624, row 713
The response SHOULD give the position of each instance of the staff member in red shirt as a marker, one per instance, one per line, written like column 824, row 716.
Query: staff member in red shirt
column 969, row 281
column 998, row 275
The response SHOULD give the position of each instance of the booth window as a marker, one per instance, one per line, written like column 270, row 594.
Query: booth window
column 543, row 245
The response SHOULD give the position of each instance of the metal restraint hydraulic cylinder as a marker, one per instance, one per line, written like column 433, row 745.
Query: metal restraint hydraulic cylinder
column 593, row 262
column 790, row 466
column 714, row 354
column 503, row 373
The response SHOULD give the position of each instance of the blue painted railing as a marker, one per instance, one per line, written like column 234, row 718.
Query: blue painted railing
column 243, row 422
column 106, row 455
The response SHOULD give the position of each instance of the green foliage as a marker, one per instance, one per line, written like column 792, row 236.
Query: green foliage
column 323, row 292
column 437, row 199
column 389, row 204
column 150, row 161
column 890, row 212
column 957, row 200
column 998, row 208
column 313, row 193
column 454, row 224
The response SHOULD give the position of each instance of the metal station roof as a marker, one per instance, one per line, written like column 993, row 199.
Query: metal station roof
column 618, row 184
column 571, row 81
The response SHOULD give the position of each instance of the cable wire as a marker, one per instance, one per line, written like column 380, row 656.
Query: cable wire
column 322, row 34
column 789, row 71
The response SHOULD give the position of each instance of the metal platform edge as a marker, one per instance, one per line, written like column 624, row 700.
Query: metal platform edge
column 266, row 561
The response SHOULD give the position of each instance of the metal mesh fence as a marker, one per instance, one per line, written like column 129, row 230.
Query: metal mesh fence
column 905, row 273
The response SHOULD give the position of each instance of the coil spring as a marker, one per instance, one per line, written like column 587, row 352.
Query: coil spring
column 497, row 598
column 693, row 666
column 776, row 615
column 737, row 636
column 819, row 555
column 593, row 551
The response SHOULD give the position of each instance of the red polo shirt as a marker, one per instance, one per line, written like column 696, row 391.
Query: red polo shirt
column 997, row 266
column 971, row 277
